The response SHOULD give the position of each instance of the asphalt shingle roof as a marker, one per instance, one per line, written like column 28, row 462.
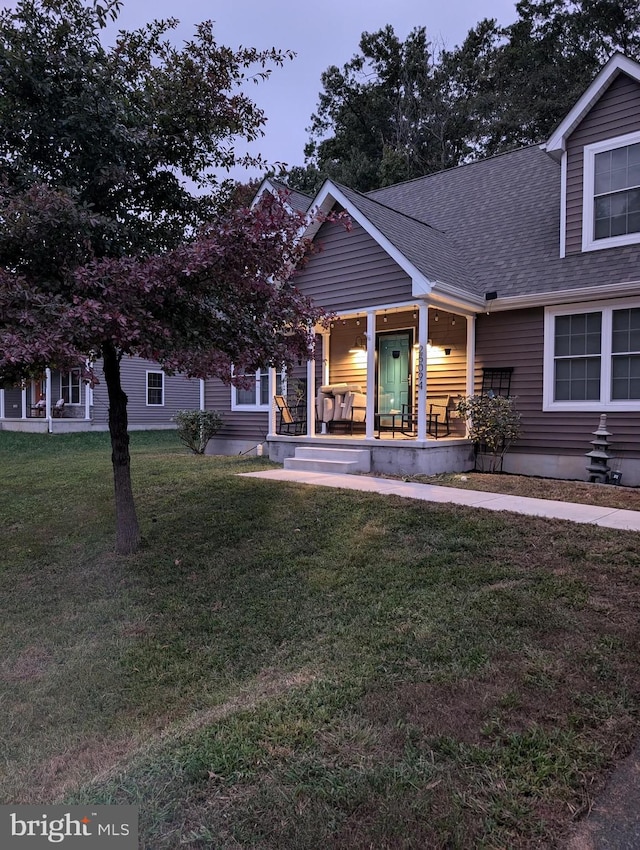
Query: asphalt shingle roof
column 492, row 225
column 430, row 250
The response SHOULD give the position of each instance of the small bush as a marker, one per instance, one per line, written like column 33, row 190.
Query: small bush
column 494, row 423
column 196, row 427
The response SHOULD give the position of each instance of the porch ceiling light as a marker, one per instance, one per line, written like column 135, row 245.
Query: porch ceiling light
column 359, row 345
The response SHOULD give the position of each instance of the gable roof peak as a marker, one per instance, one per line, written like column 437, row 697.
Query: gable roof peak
column 617, row 64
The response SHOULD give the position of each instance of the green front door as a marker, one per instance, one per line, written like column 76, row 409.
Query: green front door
column 394, row 370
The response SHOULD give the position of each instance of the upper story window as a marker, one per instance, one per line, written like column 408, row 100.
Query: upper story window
column 256, row 395
column 155, row 389
column 70, row 386
column 611, row 203
column 592, row 357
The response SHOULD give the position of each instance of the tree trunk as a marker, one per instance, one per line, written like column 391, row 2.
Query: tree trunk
column 127, row 528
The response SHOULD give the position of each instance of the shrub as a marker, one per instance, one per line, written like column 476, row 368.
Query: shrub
column 196, row 427
column 494, row 424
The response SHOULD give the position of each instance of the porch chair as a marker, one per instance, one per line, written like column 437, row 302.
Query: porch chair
column 438, row 417
column 290, row 421
column 58, row 409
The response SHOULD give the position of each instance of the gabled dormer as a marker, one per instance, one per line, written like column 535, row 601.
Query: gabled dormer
column 598, row 145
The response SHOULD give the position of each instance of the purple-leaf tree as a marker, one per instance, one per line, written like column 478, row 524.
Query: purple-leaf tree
column 105, row 249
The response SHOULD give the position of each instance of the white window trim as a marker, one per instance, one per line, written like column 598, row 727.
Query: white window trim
column 70, row 403
column 147, row 388
column 589, row 243
column 235, row 406
column 604, row 404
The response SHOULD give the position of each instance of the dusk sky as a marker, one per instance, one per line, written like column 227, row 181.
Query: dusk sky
column 321, row 35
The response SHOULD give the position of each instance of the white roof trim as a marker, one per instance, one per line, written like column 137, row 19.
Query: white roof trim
column 268, row 186
column 566, row 296
column 617, row 64
column 330, row 194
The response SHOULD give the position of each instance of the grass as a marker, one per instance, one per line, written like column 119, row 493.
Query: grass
column 582, row 492
column 288, row 667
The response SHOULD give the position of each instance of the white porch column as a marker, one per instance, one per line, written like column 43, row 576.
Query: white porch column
column 423, row 341
column 326, row 341
column 471, row 354
column 87, row 401
column 1, row 402
column 23, row 400
column 371, row 375
column 48, row 390
column 202, row 396
column 326, row 337
column 271, row 429
column 311, row 397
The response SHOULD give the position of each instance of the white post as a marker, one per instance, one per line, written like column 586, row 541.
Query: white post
column 326, row 336
column 48, row 390
column 271, row 429
column 371, row 375
column 24, row 402
column 202, row 394
column 326, row 339
column 311, row 398
column 471, row 354
column 87, row 401
column 423, row 341
column 1, row 402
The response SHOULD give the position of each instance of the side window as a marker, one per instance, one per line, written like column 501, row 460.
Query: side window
column 577, row 349
column 70, row 387
column 592, row 357
column 255, row 396
column 611, row 202
column 155, row 389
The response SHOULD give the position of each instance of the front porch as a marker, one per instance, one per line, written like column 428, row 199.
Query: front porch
column 390, row 375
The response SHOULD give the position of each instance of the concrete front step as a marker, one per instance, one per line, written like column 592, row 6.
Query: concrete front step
column 309, row 465
column 316, row 459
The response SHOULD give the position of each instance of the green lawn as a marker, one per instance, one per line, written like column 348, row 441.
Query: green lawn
column 289, row 667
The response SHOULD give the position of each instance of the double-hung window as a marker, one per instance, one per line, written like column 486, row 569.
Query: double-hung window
column 155, row 389
column 70, row 386
column 611, row 201
column 254, row 395
column 592, row 357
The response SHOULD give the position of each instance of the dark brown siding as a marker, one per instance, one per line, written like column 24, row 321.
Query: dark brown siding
column 236, row 425
column 352, row 272
column 248, row 424
column 616, row 113
column 516, row 339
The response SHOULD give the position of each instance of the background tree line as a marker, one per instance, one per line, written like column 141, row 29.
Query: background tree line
column 401, row 109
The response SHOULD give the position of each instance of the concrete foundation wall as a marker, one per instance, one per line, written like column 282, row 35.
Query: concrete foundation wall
column 219, row 446
column 571, row 468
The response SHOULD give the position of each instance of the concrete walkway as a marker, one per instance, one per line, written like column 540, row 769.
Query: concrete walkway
column 590, row 514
